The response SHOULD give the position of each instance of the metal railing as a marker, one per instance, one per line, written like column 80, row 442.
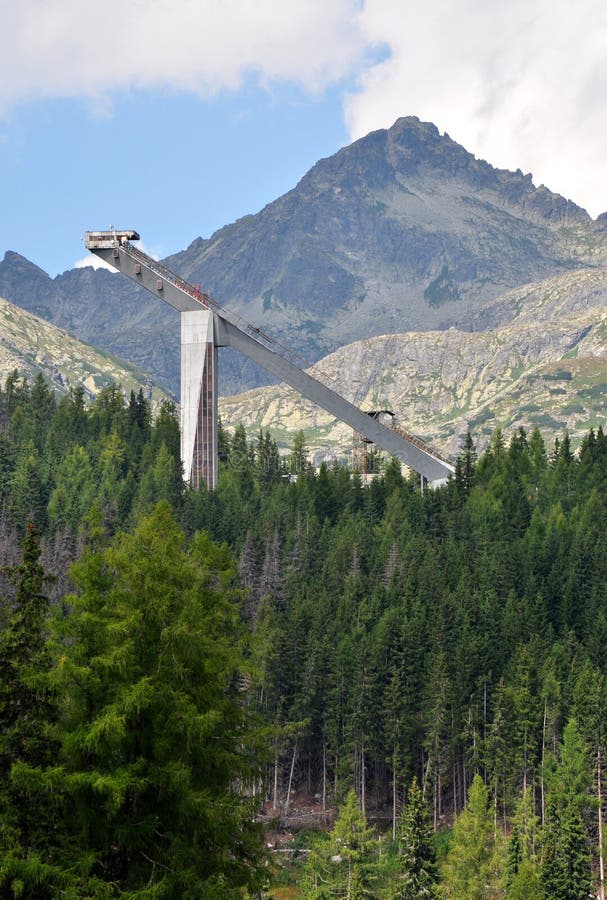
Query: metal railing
column 206, row 300
column 421, row 445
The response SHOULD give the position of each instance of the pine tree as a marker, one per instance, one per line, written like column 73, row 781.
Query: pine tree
column 472, row 869
column 298, row 457
column 70, row 421
column 26, row 712
column 23, row 652
column 416, row 861
column 526, row 884
column 522, row 866
column 566, row 857
column 343, row 866
column 267, row 461
column 74, row 489
column 42, row 409
column 465, row 465
column 589, row 708
column 26, row 500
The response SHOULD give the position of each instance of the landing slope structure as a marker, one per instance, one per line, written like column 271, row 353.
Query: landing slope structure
column 206, row 326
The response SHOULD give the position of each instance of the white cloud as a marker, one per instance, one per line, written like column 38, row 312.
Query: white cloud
column 521, row 84
column 66, row 48
column 94, row 261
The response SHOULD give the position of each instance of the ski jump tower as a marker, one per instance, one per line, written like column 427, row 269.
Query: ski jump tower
column 205, row 326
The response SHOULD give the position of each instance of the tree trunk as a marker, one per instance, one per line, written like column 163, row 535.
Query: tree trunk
column 363, row 782
column 275, row 796
column 542, row 793
column 394, row 794
column 336, row 778
column 484, row 728
column 324, row 776
column 454, row 764
column 288, row 800
column 599, row 780
column 525, row 762
column 426, row 771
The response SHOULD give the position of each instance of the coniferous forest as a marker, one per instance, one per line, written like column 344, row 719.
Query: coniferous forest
column 416, row 678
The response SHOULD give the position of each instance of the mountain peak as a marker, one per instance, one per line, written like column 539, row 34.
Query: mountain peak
column 13, row 260
column 413, row 155
column 401, row 230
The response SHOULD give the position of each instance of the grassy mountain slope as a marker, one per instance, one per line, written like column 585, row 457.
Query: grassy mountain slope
column 100, row 308
column 32, row 345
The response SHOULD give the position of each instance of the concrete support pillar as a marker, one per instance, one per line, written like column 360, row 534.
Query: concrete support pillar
column 199, row 397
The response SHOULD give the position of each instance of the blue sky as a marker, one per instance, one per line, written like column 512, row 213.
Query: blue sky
column 172, row 166
column 178, row 116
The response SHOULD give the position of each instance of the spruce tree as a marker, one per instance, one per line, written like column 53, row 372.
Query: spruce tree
column 418, row 878
column 465, row 465
column 343, row 865
column 26, row 713
column 522, row 866
column 23, row 701
column 156, row 748
column 566, row 857
column 298, row 458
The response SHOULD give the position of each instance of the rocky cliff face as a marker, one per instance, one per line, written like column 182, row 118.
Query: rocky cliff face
column 547, row 368
column 402, row 230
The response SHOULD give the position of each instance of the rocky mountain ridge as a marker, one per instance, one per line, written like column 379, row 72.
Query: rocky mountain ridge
column 547, row 368
column 403, row 230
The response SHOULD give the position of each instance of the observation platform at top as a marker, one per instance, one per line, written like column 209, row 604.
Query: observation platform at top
column 207, row 325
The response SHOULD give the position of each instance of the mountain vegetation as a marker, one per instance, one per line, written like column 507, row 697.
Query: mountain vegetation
column 427, row 670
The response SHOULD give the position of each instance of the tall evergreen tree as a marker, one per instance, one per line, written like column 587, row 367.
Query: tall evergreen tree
column 465, row 466
column 156, row 746
column 343, row 866
column 523, row 872
column 26, row 712
column 417, row 876
column 566, row 858
column 472, row 869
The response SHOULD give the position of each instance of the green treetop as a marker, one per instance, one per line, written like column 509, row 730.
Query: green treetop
column 418, row 878
column 566, row 857
column 342, row 867
column 471, row 870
